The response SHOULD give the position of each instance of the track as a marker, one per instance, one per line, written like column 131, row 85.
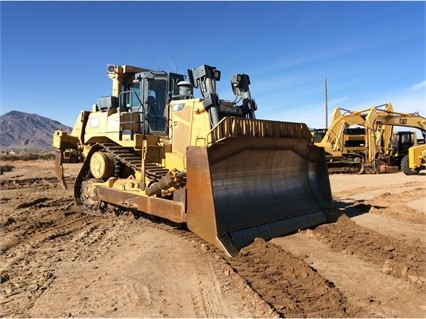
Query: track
column 59, row 262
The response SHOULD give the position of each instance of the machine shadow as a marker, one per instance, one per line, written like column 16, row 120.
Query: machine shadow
column 351, row 208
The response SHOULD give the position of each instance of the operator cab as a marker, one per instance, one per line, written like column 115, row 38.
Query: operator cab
column 145, row 96
column 402, row 141
column 149, row 94
column 318, row 134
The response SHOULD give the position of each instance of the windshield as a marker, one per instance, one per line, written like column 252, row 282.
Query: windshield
column 156, row 100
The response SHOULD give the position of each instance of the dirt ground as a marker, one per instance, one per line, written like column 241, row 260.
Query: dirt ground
column 59, row 262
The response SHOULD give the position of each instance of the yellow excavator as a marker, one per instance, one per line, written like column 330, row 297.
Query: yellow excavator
column 372, row 146
column 206, row 163
column 344, row 140
column 384, row 146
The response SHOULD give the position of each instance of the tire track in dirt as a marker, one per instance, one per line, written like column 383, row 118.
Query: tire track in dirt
column 274, row 280
column 17, row 183
column 285, row 282
column 39, row 234
column 46, row 232
column 122, row 282
column 86, row 237
column 224, row 284
column 31, row 262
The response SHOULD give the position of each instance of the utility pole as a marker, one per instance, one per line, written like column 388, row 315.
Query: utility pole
column 326, row 103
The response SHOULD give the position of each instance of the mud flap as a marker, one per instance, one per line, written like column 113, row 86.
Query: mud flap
column 243, row 188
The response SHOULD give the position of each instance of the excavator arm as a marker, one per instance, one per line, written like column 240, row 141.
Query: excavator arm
column 341, row 120
column 340, row 158
column 379, row 130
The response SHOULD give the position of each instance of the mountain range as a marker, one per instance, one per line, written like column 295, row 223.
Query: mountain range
column 23, row 131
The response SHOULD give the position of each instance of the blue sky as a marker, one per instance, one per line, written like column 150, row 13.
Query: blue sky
column 54, row 54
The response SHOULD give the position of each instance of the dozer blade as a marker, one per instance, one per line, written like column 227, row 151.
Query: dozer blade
column 244, row 187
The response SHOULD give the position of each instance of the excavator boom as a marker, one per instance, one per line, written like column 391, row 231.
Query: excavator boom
column 344, row 152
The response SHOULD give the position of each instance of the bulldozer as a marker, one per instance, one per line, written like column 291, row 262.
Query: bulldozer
column 202, row 162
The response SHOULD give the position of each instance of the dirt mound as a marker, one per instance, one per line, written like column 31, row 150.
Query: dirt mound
column 400, row 258
column 290, row 285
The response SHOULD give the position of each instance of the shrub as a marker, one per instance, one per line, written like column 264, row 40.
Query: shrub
column 27, row 156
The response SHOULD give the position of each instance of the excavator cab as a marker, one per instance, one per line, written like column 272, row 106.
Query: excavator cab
column 318, row 134
column 400, row 144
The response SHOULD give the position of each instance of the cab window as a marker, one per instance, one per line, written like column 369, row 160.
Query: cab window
column 156, row 105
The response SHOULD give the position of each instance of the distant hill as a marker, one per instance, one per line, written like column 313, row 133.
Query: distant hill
column 24, row 131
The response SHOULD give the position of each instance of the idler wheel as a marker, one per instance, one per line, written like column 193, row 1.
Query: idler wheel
column 101, row 165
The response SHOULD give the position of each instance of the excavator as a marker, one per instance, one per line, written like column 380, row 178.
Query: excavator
column 208, row 164
column 344, row 140
column 384, row 147
column 372, row 146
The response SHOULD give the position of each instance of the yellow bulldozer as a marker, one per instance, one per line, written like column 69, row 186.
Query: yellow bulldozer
column 206, row 163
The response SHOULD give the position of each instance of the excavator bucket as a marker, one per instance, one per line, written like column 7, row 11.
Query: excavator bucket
column 246, row 187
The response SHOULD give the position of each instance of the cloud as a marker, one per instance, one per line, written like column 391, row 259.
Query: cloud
column 418, row 86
